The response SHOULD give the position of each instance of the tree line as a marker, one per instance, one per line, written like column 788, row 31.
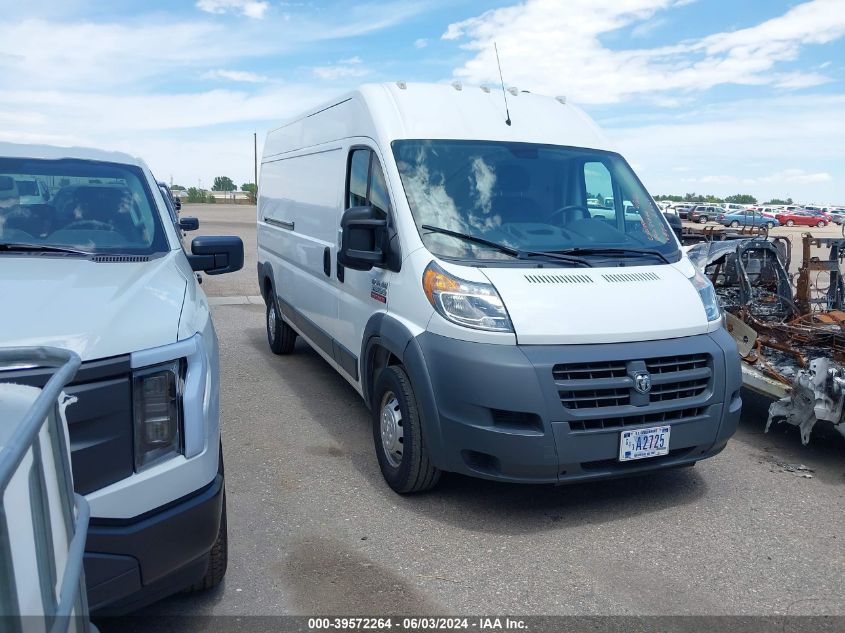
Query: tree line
column 221, row 183
column 740, row 198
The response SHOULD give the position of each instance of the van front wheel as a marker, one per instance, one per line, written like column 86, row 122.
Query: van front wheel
column 280, row 335
column 397, row 434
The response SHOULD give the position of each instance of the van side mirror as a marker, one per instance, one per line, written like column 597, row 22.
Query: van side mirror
column 189, row 224
column 364, row 240
column 217, row 254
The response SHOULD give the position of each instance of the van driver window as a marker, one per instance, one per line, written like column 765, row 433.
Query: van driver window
column 378, row 188
column 367, row 185
column 359, row 167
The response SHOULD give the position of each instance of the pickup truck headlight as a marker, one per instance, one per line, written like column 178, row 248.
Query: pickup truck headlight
column 468, row 303
column 157, row 408
column 708, row 296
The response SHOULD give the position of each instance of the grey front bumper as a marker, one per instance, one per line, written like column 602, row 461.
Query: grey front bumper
column 498, row 411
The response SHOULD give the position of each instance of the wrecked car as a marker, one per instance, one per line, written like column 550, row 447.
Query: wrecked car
column 790, row 330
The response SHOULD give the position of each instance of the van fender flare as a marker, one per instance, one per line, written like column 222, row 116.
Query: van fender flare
column 265, row 271
column 384, row 331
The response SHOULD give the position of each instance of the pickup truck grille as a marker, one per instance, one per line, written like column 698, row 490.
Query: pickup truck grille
column 99, row 423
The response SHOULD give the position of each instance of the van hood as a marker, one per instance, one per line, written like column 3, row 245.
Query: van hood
column 551, row 306
column 95, row 309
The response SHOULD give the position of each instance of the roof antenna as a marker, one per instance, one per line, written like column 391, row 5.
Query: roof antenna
column 504, row 93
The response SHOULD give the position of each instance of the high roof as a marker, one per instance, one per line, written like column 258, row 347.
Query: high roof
column 398, row 110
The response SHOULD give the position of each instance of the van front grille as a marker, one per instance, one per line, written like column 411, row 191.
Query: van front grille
column 611, row 383
column 662, row 417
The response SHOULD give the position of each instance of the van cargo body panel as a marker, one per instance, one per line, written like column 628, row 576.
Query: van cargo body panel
column 531, row 414
column 599, row 305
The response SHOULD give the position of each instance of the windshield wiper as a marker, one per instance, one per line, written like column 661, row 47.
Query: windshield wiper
column 636, row 252
column 44, row 248
column 507, row 250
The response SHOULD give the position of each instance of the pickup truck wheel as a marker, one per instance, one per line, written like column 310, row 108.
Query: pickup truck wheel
column 280, row 335
column 790, row 223
column 397, row 434
column 218, row 558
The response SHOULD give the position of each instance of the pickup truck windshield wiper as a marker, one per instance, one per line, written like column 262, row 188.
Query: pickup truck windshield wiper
column 45, row 248
column 636, row 252
column 508, row 250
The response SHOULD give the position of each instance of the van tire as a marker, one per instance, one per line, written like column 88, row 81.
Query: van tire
column 414, row 472
column 218, row 558
column 280, row 335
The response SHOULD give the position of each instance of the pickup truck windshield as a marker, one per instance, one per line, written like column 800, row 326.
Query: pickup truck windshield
column 89, row 206
column 530, row 197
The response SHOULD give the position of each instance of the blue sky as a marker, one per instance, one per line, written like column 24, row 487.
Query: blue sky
column 711, row 96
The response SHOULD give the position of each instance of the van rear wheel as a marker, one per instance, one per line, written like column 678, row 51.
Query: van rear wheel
column 280, row 335
column 397, row 434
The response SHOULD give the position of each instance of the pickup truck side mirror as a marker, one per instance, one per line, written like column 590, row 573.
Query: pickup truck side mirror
column 217, row 254
column 189, row 224
column 364, row 240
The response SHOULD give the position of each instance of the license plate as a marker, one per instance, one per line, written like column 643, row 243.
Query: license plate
column 644, row 443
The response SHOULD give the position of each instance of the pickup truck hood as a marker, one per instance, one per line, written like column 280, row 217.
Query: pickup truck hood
column 95, row 309
column 552, row 306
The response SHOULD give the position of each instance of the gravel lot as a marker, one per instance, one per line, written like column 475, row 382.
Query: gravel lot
column 313, row 528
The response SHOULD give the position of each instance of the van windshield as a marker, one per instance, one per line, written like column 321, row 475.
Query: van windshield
column 529, row 197
column 90, row 206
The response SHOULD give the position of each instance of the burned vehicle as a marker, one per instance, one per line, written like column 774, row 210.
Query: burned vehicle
column 789, row 329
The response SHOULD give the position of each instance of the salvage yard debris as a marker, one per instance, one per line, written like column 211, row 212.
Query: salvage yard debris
column 789, row 329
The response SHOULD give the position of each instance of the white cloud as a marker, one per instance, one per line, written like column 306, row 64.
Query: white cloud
column 248, row 8
column 421, row 43
column 798, row 80
column 555, row 47
column 645, row 29
column 236, row 75
column 781, row 147
column 94, row 56
column 343, row 69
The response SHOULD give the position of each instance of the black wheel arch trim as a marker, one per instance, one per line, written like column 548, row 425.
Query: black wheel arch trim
column 384, row 331
column 265, row 272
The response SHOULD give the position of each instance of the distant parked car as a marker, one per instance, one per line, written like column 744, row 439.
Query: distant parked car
column 683, row 210
column 837, row 216
column 675, row 224
column 32, row 191
column 704, row 213
column 820, row 214
column 749, row 218
column 801, row 218
column 769, row 212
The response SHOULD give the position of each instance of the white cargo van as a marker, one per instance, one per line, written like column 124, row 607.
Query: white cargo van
column 455, row 269
column 100, row 269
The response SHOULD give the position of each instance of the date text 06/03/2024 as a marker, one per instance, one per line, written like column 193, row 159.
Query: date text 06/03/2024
column 480, row 624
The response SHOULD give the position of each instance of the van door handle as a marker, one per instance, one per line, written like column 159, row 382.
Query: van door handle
column 327, row 261
column 280, row 223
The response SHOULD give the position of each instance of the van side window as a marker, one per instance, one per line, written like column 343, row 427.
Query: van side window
column 599, row 186
column 367, row 185
column 359, row 167
column 378, row 188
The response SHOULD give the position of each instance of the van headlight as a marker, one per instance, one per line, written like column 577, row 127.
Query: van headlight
column 708, row 296
column 468, row 303
column 157, row 409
